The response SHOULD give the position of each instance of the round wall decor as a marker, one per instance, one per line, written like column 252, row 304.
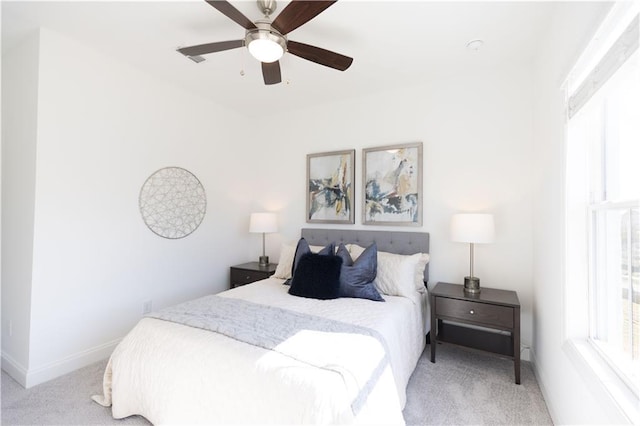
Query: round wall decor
column 172, row 202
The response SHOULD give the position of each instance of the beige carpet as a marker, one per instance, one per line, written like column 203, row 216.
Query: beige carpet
column 462, row 387
column 469, row 387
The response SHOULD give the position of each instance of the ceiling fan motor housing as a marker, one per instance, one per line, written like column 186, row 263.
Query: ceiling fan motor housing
column 267, row 7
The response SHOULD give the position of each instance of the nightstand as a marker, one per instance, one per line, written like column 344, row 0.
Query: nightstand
column 249, row 272
column 496, row 310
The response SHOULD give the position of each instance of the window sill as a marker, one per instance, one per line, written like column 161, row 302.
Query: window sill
column 608, row 387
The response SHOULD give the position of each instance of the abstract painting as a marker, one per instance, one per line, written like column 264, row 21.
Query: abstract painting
column 392, row 185
column 330, row 180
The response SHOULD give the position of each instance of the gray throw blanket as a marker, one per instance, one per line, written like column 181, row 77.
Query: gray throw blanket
column 267, row 327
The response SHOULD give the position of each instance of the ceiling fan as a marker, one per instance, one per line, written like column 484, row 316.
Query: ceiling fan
column 266, row 39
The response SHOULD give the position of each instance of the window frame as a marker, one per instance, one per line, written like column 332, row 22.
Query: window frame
column 590, row 72
column 595, row 275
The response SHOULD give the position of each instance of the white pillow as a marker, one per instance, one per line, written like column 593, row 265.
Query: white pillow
column 287, row 254
column 355, row 250
column 315, row 249
column 420, row 266
column 397, row 275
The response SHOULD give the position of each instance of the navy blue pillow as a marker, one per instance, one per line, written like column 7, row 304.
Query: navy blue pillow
column 356, row 278
column 303, row 248
column 317, row 276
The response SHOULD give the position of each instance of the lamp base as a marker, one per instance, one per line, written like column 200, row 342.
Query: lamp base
column 263, row 260
column 472, row 285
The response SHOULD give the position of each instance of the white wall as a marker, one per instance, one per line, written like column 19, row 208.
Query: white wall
column 568, row 395
column 476, row 132
column 19, row 133
column 102, row 128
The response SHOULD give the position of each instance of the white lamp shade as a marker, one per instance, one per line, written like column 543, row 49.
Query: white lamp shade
column 472, row 228
column 263, row 222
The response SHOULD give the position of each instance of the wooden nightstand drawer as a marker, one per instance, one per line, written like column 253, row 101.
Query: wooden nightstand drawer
column 242, row 276
column 250, row 272
column 474, row 312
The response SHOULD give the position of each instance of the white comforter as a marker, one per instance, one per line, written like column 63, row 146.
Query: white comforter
column 175, row 374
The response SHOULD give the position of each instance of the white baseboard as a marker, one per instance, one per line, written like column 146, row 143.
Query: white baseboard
column 14, row 369
column 31, row 377
column 541, row 383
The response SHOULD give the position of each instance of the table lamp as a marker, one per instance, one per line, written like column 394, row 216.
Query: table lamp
column 472, row 228
column 263, row 223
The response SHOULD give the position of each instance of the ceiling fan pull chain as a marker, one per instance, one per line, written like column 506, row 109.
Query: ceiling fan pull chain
column 243, row 61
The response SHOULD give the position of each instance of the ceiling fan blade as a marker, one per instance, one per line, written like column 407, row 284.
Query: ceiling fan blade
column 319, row 56
column 203, row 49
column 232, row 13
column 271, row 72
column 297, row 13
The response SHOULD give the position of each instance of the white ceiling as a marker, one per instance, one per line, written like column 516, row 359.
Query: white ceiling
column 393, row 43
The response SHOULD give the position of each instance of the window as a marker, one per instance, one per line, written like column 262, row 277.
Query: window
column 603, row 204
column 614, row 226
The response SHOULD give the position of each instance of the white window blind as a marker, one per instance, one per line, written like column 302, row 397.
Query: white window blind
column 622, row 49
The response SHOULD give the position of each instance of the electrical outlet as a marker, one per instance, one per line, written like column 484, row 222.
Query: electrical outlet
column 146, row 307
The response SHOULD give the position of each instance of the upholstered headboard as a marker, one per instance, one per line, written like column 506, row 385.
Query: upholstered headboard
column 397, row 242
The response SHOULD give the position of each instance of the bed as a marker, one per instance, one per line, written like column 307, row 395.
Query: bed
column 285, row 360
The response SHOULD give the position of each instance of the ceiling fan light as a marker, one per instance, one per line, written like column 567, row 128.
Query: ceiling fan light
column 265, row 50
column 265, row 44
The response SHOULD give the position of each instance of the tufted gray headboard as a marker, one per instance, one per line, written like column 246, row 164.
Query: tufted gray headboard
column 397, row 242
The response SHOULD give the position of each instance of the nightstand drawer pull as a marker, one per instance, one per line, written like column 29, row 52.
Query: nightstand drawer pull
column 471, row 312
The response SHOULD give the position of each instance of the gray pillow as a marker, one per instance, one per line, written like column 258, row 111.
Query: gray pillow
column 356, row 278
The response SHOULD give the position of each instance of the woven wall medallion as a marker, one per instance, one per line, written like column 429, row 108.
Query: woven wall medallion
column 172, row 202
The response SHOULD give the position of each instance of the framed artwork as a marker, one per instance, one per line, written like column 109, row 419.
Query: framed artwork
column 330, row 180
column 172, row 202
column 392, row 185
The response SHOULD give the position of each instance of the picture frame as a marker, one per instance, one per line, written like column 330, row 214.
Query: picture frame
column 392, row 185
column 330, row 187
